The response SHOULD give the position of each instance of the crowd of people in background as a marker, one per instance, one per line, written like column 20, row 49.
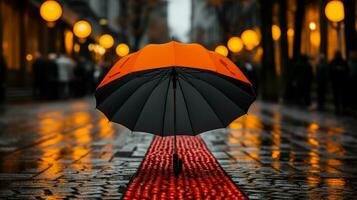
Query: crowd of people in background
column 337, row 77
column 60, row 77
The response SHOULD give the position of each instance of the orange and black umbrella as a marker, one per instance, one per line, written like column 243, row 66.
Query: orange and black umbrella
column 174, row 89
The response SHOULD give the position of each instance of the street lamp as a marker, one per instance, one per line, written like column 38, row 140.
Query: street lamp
column 250, row 39
column 221, row 49
column 235, row 44
column 50, row 10
column 106, row 41
column 335, row 13
column 122, row 49
column 82, row 29
column 276, row 32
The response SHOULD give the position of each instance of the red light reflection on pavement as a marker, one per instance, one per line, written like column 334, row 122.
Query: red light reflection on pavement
column 201, row 177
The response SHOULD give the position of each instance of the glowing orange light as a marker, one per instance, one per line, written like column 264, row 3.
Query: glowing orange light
column 82, row 29
column 221, row 50
column 250, row 39
column 122, row 50
column 235, row 44
column 106, row 41
column 334, row 11
column 50, row 10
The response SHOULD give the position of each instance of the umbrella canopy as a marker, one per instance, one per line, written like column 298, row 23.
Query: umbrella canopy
column 174, row 89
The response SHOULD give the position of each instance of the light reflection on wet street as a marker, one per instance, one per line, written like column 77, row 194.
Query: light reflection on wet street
column 284, row 153
column 68, row 149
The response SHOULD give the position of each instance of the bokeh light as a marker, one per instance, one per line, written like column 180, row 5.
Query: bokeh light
column 312, row 26
column 122, row 50
column 290, row 32
column 315, row 38
column 276, row 32
column 221, row 49
column 250, row 39
column 235, row 44
column 50, row 10
column 82, row 29
column 106, row 41
column 334, row 11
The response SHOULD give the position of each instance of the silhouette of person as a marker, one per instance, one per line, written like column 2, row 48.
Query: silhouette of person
column 52, row 76
column 339, row 75
column 303, row 80
column 39, row 76
column 322, row 81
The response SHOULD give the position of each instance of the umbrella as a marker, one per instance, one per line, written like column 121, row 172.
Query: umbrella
column 174, row 89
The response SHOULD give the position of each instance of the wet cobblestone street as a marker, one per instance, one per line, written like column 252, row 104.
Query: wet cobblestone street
column 68, row 149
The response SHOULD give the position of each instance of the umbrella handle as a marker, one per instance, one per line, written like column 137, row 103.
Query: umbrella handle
column 177, row 162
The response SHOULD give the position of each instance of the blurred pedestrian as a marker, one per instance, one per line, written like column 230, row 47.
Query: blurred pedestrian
column 3, row 72
column 105, row 67
column 322, row 81
column 89, row 77
column 251, row 73
column 39, row 76
column 303, row 80
column 290, row 88
column 52, row 76
column 65, row 75
column 79, row 78
column 339, row 75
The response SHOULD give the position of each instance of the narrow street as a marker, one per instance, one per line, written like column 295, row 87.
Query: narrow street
column 68, row 149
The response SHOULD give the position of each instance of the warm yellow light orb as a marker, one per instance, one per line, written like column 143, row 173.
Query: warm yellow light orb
column 290, row 32
column 122, row 50
column 106, row 41
column 276, row 32
column 29, row 57
column 250, row 39
column 82, row 29
column 221, row 50
column 235, row 44
column 315, row 38
column 312, row 26
column 50, row 10
column 334, row 11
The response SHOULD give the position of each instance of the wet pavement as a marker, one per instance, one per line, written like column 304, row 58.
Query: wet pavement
column 68, row 149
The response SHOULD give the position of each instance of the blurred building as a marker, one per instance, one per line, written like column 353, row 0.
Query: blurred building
column 24, row 32
column 205, row 27
column 212, row 22
column 157, row 30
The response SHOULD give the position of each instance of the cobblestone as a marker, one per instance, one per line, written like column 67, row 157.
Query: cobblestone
column 69, row 150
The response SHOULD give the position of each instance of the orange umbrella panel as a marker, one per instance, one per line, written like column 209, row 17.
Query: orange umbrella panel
column 174, row 54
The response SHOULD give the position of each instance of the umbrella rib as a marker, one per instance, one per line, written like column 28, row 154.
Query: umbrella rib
column 142, row 108
column 222, row 91
column 118, row 109
column 164, row 115
column 223, row 79
column 189, row 82
column 185, row 100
